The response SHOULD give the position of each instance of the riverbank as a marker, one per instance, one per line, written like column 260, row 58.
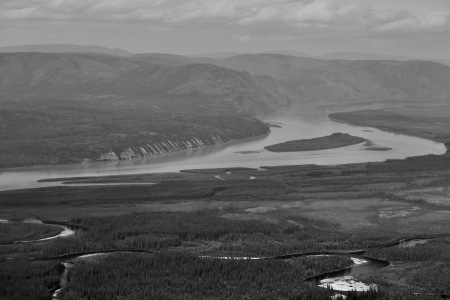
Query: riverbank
column 425, row 121
column 15, row 232
column 229, row 154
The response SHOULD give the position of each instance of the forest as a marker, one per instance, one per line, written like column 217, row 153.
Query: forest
column 209, row 233
column 180, row 276
column 187, row 218
column 62, row 129
column 22, row 279
column 336, row 140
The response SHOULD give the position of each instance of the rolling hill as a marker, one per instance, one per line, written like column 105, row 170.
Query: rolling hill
column 94, row 74
column 370, row 82
column 71, row 107
column 61, row 48
column 352, row 82
column 341, row 81
column 67, row 108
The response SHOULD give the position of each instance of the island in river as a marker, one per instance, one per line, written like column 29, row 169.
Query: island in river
column 336, row 140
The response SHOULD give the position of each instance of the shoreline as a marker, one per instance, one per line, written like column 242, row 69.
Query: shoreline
column 390, row 130
column 328, row 116
column 89, row 161
column 142, row 166
column 334, row 141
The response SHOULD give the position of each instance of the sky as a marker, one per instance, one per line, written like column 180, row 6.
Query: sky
column 414, row 28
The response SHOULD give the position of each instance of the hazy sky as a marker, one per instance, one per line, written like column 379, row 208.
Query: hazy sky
column 418, row 28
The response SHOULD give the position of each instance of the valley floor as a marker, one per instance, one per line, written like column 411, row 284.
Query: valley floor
column 188, row 216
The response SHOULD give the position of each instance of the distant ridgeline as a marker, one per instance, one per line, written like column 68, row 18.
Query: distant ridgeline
column 73, row 107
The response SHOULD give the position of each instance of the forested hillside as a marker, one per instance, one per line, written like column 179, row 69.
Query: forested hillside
column 107, row 75
column 69, row 108
column 73, row 107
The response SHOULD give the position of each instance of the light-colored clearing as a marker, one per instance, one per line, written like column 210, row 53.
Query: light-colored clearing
column 397, row 212
column 232, row 257
column 65, row 233
column 259, row 209
column 90, row 255
column 346, row 283
column 358, row 261
column 412, row 243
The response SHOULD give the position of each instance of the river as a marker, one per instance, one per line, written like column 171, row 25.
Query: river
column 296, row 124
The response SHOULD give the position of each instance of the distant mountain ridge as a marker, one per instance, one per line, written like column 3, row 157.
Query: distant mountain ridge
column 370, row 81
column 61, row 108
column 72, row 48
column 65, row 48
column 252, row 83
column 339, row 81
column 364, row 56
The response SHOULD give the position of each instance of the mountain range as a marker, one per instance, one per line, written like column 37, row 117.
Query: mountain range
column 253, row 83
column 61, row 48
column 96, row 74
column 72, row 107
column 336, row 81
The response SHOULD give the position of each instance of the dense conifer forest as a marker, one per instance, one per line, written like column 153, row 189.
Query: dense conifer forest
column 21, row 279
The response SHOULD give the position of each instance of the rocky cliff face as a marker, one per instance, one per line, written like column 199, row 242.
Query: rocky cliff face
column 171, row 146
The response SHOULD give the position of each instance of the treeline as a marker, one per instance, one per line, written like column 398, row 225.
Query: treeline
column 173, row 190
column 22, row 279
column 433, row 250
column 165, row 191
column 412, row 164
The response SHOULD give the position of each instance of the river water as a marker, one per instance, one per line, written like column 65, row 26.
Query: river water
column 244, row 153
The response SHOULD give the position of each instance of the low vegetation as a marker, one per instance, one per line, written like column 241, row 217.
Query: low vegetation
column 336, row 140
column 12, row 232
column 187, row 218
column 423, row 120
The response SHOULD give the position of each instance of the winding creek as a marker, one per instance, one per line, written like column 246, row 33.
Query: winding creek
column 341, row 281
column 67, row 230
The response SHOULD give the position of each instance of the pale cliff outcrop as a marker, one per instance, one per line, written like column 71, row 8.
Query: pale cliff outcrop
column 168, row 146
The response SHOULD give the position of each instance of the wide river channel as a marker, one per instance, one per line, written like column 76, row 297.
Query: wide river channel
column 244, row 153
